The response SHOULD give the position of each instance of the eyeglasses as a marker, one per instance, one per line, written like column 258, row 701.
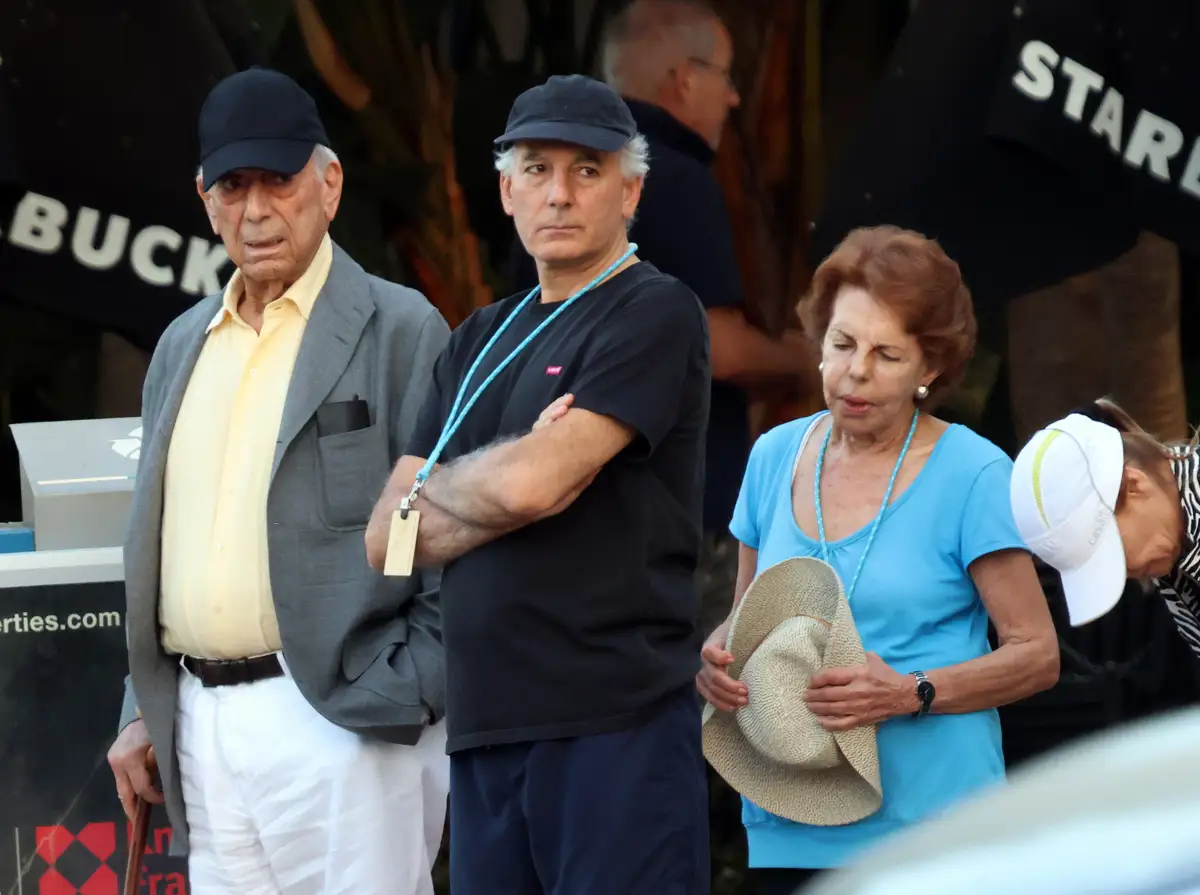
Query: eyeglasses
column 724, row 72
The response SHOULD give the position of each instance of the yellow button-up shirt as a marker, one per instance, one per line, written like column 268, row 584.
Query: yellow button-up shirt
column 216, row 599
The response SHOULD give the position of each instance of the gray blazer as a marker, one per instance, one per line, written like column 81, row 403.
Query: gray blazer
column 366, row 651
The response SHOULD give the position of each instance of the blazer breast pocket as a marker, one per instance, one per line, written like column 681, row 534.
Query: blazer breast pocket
column 352, row 470
column 336, row 417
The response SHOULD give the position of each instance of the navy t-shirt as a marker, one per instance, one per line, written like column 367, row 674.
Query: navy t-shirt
column 584, row 622
column 682, row 228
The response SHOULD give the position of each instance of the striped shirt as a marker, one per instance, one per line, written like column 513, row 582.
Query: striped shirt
column 1181, row 589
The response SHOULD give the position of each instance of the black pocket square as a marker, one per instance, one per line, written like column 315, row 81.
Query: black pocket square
column 342, row 416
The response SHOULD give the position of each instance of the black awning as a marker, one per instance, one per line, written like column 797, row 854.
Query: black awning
column 972, row 137
column 99, row 216
column 1109, row 91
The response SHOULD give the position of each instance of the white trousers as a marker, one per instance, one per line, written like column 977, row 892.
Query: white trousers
column 282, row 802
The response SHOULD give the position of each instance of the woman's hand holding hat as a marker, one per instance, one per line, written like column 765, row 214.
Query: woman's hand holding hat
column 714, row 684
column 792, row 621
column 858, row 695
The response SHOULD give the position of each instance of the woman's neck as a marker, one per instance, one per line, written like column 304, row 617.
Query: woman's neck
column 1171, row 481
column 887, row 440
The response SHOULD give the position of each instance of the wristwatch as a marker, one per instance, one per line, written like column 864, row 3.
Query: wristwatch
column 925, row 693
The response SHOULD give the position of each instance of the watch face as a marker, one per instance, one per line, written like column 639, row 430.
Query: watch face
column 925, row 691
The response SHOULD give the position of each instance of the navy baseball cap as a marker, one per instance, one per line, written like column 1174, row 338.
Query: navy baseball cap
column 571, row 109
column 258, row 118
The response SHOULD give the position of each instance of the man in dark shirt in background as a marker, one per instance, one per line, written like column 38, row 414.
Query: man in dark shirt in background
column 671, row 62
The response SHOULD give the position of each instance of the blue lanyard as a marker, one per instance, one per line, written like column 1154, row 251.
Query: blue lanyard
column 457, row 415
column 862, row 560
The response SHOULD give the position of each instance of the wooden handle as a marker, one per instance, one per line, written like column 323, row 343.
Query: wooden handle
column 138, row 836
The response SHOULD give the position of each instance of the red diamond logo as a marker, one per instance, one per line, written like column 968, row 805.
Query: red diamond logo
column 103, row 882
column 52, row 842
column 52, row 883
column 100, row 839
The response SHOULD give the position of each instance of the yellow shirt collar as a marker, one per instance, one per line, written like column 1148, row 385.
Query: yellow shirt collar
column 302, row 293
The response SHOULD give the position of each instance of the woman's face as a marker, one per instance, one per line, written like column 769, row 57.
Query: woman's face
column 871, row 365
column 1150, row 524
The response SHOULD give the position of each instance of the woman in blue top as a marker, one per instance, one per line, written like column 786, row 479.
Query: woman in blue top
column 914, row 514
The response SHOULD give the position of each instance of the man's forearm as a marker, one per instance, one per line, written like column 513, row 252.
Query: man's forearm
column 473, row 490
column 462, row 506
column 764, row 359
column 443, row 537
column 507, row 485
column 744, row 354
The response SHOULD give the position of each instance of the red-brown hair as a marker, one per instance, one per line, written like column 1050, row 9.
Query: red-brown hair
column 914, row 277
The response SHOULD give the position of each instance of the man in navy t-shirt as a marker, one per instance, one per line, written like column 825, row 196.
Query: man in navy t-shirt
column 671, row 60
column 566, row 506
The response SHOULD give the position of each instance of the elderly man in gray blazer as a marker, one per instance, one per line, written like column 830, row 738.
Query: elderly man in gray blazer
column 293, row 697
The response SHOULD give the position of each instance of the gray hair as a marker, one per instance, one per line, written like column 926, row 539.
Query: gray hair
column 650, row 37
column 634, row 156
column 321, row 157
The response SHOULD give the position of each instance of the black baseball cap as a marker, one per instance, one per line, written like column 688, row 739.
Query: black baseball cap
column 571, row 109
column 258, row 118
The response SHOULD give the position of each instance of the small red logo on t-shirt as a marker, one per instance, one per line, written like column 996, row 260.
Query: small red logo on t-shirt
column 553, row 371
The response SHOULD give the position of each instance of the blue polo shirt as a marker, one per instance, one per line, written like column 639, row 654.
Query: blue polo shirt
column 915, row 605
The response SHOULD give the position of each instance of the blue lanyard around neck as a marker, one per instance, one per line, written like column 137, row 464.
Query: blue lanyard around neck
column 887, row 498
column 458, row 410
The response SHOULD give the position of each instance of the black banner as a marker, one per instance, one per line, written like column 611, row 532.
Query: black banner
column 99, row 216
column 923, row 158
column 1106, row 89
column 128, row 264
column 62, row 663
column 1034, row 138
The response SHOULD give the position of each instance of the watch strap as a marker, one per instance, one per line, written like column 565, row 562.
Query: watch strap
column 925, row 693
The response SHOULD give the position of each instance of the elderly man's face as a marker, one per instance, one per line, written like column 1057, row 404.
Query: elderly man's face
column 568, row 204
column 272, row 224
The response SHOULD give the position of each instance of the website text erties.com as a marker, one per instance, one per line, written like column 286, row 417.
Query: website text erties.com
column 31, row 623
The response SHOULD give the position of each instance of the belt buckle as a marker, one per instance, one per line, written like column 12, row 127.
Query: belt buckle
column 210, row 672
column 233, row 672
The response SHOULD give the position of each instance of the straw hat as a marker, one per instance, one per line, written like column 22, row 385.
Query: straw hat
column 793, row 621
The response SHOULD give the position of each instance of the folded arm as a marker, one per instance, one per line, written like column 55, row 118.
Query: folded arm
column 440, row 534
column 501, row 488
column 517, row 481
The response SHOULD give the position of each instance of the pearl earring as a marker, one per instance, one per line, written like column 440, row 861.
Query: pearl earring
column 821, row 367
column 922, row 392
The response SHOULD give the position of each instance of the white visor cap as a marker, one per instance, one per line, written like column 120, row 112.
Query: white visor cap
column 1064, row 490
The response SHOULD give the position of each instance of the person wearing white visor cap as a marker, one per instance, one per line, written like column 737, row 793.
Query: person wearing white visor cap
column 1102, row 501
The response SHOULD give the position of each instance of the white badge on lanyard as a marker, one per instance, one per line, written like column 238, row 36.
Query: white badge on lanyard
column 402, row 543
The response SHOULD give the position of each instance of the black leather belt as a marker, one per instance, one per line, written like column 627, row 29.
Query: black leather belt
column 227, row 672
